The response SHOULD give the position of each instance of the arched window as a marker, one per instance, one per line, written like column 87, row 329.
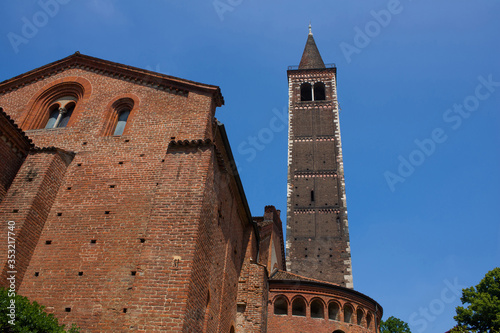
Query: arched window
column 359, row 316
column 333, row 311
column 306, row 92
column 122, row 121
column 317, row 309
column 348, row 313
column 280, row 306
column 118, row 116
column 53, row 114
column 368, row 320
column 338, row 331
column 299, row 307
column 60, row 111
column 57, row 103
column 232, row 329
column 319, row 91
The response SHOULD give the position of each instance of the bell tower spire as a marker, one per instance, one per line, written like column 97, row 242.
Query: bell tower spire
column 317, row 244
column 311, row 58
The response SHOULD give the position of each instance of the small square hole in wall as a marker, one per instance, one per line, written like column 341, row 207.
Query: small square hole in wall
column 112, row 186
column 162, row 161
column 106, row 212
column 79, row 164
column 37, row 273
column 121, row 162
column 48, row 242
column 93, row 241
column 241, row 307
column 30, row 179
column 142, row 155
column 172, row 138
column 69, row 188
column 59, row 214
column 126, row 140
column 84, row 143
column 15, row 211
column 124, row 310
column 143, row 240
column 67, row 309
column 80, row 273
column 133, row 273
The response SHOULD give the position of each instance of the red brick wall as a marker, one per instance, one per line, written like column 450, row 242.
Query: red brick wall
column 29, row 201
column 252, row 292
column 143, row 234
column 13, row 148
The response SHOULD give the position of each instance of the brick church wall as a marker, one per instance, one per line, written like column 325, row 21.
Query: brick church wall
column 14, row 147
column 145, row 235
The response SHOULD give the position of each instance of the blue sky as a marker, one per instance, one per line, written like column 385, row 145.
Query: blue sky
column 419, row 88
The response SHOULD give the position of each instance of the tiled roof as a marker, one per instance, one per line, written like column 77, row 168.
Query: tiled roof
column 311, row 58
column 282, row 275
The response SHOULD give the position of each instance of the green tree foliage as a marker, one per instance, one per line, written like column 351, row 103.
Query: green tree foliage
column 483, row 311
column 394, row 325
column 461, row 329
column 29, row 317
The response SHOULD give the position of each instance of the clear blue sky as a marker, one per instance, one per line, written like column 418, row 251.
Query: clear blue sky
column 416, row 230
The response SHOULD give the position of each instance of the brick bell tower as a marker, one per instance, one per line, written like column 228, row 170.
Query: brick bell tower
column 317, row 241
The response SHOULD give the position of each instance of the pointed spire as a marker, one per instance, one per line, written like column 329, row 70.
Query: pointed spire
column 311, row 57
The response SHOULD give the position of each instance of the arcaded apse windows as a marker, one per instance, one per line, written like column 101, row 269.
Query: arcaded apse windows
column 368, row 320
column 333, row 311
column 359, row 316
column 309, row 92
column 280, row 306
column 348, row 313
column 299, row 307
column 317, row 309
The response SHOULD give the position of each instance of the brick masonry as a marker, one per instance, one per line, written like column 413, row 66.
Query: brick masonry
column 326, row 308
column 150, row 231
column 142, row 232
column 317, row 229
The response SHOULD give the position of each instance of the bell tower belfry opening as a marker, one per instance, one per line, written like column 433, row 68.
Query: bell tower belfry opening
column 317, row 241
